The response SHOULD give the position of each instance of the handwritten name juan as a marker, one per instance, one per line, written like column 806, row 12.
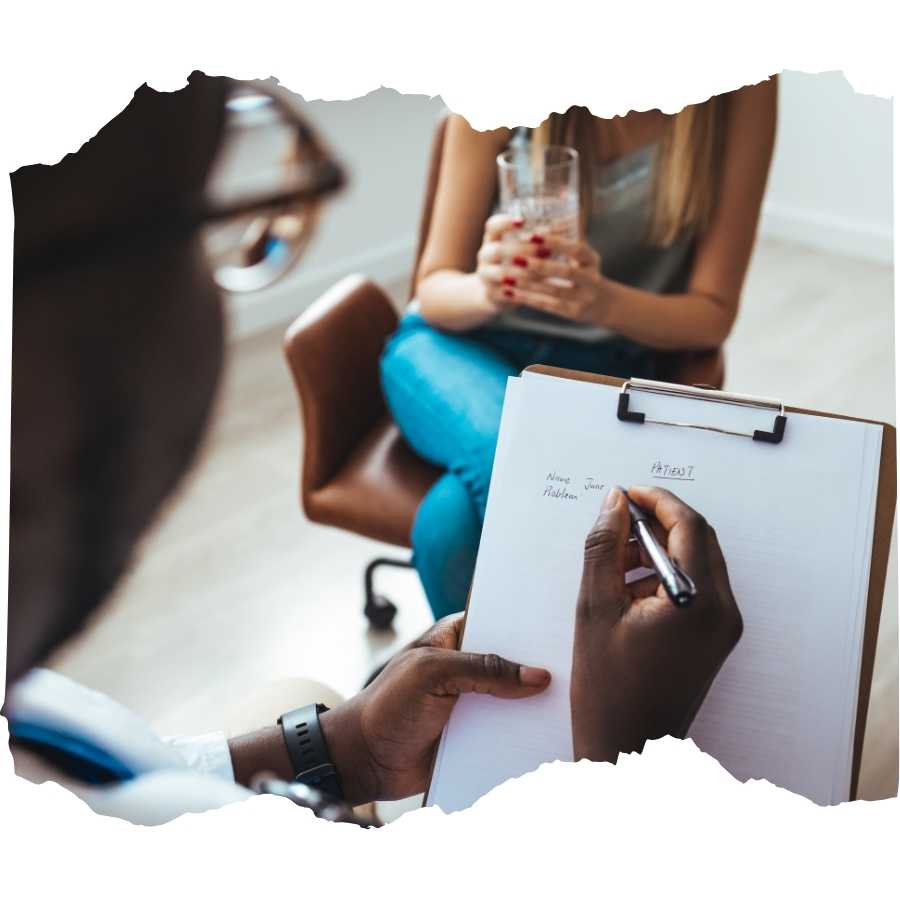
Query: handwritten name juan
column 563, row 487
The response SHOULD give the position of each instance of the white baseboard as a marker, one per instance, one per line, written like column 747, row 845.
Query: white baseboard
column 834, row 234
column 249, row 314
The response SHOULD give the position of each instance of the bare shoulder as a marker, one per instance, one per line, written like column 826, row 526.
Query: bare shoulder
column 463, row 138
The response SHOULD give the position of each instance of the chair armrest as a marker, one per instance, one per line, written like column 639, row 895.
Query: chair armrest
column 333, row 352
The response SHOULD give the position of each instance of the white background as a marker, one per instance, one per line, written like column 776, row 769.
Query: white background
column 830, row 185
column 669, row 821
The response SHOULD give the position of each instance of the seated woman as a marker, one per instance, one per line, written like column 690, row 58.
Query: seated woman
column 670, row 205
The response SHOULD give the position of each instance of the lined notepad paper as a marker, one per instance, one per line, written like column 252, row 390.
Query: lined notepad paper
column 795, row 522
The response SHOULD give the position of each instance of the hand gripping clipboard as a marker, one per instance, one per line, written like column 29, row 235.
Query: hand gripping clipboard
column 629, row 411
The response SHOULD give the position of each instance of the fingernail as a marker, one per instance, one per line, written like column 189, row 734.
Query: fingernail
column 507, row 292
column 612, row 498
column 520, row 261
column 518, row 223
column 531, row 676
column 543, row 252
column 537, row 239
column 510, row 281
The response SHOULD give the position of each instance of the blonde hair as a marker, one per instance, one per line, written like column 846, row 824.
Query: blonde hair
column 688, row 166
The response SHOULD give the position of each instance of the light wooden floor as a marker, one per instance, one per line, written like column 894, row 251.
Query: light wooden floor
column 235, row 589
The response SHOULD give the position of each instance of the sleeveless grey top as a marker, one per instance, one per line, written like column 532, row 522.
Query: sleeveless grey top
column 618, row 229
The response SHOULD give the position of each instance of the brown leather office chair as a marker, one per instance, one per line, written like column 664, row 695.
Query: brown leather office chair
column 357, row 472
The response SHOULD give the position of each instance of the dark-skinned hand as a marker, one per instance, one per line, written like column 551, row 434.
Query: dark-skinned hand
column 641, row 665
column 383, row 740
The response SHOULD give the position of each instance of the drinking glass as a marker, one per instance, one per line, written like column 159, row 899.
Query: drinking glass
column 541, row 186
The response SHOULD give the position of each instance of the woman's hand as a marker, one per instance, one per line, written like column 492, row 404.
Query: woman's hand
column 544, row 271
column 642, row 666
column 500, row 257
column 383, row 741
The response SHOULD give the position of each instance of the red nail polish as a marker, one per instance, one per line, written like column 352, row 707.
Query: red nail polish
column 537, row 239
column 518, row 223
column 507, row 292
column 520, row 261
column 543, row 252
column 510, row 281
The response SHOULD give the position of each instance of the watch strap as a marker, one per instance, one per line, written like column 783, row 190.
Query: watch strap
column 308, row 750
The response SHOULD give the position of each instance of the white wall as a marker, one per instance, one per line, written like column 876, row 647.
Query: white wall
column 383, row 141
column 830, row 186
column 831, row 180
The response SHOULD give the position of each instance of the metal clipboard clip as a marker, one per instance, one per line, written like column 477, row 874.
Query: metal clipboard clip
column 710, row 395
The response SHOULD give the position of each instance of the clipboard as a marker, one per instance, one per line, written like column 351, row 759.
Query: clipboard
column 629, row 411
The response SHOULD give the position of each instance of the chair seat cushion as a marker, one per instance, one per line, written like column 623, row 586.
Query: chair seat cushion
column 377, row 491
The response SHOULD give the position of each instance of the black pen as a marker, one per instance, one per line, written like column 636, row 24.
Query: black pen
column 677, row 584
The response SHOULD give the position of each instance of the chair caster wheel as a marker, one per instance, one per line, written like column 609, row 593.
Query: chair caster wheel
column 380, row 612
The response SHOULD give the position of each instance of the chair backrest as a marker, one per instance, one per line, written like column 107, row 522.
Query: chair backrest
column 332, row 350
column 431, row 183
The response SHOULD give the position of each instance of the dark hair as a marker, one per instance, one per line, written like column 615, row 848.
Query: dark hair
column 106, row 355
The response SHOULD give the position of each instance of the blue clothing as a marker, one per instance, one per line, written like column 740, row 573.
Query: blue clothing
column 110, row 757
column 445, row 391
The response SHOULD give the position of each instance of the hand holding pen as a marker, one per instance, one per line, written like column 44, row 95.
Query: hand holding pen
column 675, row 581
column 643, row 663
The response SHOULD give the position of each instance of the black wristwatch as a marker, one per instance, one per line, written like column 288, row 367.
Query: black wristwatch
column 308, row 751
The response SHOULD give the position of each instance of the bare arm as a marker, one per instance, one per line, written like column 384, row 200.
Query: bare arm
column 451, row 295
column 703, row 315
column 382, row 741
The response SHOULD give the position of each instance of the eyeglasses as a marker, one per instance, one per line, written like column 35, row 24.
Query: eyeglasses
column 266, row 188
column 257, row 207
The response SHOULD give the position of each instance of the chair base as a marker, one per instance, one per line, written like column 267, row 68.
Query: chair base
column 379, row 610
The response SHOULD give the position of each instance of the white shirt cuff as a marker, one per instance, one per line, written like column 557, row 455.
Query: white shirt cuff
column 205, row 753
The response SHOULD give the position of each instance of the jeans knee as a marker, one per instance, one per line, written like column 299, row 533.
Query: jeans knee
column 406, row 348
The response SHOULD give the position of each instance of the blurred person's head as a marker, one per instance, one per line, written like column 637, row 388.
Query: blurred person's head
column 116, row 352
column 690, row 161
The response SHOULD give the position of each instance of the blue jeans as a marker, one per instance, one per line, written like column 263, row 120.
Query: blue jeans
column 445, row 392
